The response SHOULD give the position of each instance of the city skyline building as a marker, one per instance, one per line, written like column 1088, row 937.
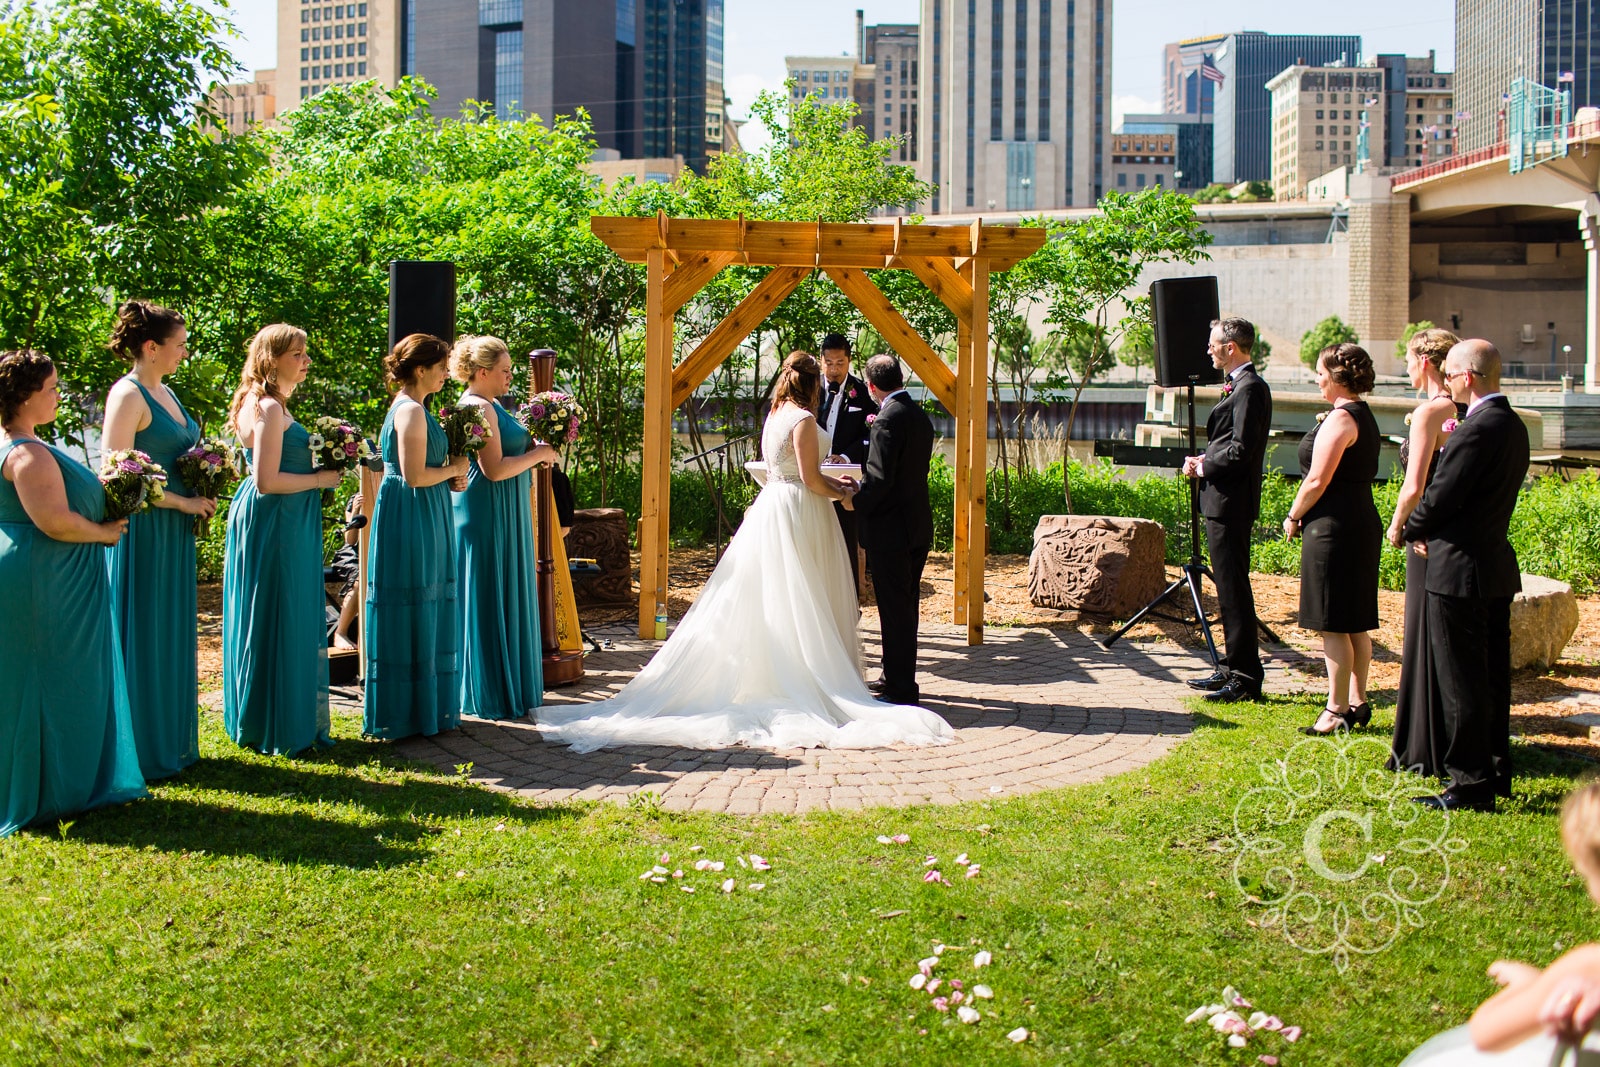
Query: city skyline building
column 1420, row 110
column 1192, row 138
column 1189, row 76
column 890, row 98
column 245, row 104
column 335, row 44
column 1549, row 42
column 1242, row 124
column 1016, row 98
column 1322, row 118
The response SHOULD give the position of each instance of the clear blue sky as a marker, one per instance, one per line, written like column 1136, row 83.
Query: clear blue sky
column 761, row 32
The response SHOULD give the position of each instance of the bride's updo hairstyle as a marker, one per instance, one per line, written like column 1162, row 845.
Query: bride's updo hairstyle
column 799, row 382
column 473, row 354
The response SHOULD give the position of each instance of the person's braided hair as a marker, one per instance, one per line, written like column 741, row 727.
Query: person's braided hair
column 23, row 372
column 139, row 321
column 414, row 352
column 1350, row 367
column 799, row 382
column 1433, row 345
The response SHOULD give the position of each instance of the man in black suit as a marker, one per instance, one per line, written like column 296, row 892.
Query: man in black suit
column 846, row 405
column 1230, row 500
column 1472, row 575
column 897, row 522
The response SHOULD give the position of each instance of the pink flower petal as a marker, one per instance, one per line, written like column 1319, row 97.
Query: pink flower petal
column 919, row 980
column 929, row 861
column 901, row 839
column 1291, row 1034
column 1238, row 1040
column 1270, row 1061
column 967, row 1015
column 940, row 1004
column 758, row 863
column 934, row 984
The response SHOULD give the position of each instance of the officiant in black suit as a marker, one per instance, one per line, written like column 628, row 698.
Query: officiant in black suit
column 844, row 410
column 1460, row 527
column 1230, row 500
column 896, row 522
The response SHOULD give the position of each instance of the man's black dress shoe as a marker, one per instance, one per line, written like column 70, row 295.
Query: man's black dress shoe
column 886, row 698
column 1502, row 787
column 876, row 686
column 1451, row 800
column 1236, row 690
column 1211, row 682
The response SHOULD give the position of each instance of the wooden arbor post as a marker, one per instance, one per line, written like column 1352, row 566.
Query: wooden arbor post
column 681, row 255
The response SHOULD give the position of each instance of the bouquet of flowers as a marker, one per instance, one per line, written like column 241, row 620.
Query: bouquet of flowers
column 466, row 426
column 132, row 481
column 207, row 469
column 338, row 446
column 552, row 417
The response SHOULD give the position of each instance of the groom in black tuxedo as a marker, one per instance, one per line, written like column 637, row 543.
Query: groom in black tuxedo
column 844, row 410
column 1460, row 526
column 896, row 522
column 1230, row 500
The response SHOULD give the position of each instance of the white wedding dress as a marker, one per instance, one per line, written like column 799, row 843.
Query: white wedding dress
column 768, row 656
column 1454, row 1048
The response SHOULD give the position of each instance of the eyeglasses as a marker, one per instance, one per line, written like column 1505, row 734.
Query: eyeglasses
column 1452, row 375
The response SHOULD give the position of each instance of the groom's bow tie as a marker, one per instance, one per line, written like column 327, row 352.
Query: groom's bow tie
column 827, row 403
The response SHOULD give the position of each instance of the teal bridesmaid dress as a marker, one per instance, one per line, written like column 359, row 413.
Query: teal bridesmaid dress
column 502, row 676
column 153, row 596
column 274, row 631
column 413, row 627
column 66, row 740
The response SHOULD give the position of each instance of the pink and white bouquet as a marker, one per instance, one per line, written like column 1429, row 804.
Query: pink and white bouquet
column 552, row 417
column 466, row 426
column 133, row 482
column 207, row 469
column 337, row 445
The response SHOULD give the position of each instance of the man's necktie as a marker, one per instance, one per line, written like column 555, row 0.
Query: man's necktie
column 827, row 404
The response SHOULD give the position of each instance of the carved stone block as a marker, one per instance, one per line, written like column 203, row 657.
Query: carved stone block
column 601, row 534
column 1100, row 564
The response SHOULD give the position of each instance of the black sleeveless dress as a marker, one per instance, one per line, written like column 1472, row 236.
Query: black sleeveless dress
column 1419, row 735
column 1342, row 537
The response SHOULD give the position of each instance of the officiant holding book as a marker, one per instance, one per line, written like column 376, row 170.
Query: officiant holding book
column 845, row 412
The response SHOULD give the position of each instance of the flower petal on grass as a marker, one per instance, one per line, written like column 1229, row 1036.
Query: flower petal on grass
column 1257, row 1020
column 940, row 1004
column 901, row 839
column 967, row 1015
column 727, row 886
column 930, row 861
column 884, row 839
column 919, row 980
column 934, row 876
column 1291, row 1034
column 687, row 888
column 983, row 992
column 677, row 873
column 1238, row 1040
column 658, row 869
column 962, row 859
column 1271, row 1022
column 934, row 984
column 758, row 863
column 701, row 864
column 1018, row 1036
column 715, row 865
column 982, row 958
column 665, row 858
column 927, row 965
column 1270, row 1061
column 972, row 871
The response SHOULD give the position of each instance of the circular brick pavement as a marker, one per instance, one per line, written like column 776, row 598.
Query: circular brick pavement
column 1032, row 708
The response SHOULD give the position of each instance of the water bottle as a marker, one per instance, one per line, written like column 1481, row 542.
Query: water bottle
column 661, row 617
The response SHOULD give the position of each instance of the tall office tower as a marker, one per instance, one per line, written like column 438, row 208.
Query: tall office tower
column 1016, row 103
column 1190, row 167
column 245, row 104
column 1551, row 42
column 890, row 100
column 1188, row 76
column 680, row 98
column 1242, row 128
column 1320, row 117
column 1420, row 110
column 335, row 44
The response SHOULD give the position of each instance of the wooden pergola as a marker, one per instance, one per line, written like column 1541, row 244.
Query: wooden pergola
column 954, row 262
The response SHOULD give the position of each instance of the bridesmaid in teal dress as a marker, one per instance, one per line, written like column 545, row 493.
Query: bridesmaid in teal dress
column 153, row 567
column 66, row 742
column 274, row 634
column 413, row 627
column 502, row 676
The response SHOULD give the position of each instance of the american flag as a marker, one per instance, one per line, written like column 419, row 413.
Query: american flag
column 1564, row 76
column 1463, row 114
column 1210, row 72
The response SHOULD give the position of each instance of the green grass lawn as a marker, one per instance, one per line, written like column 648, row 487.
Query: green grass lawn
column 351, row 908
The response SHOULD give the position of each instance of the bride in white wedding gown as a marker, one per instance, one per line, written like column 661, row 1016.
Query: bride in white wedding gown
column 768, row 656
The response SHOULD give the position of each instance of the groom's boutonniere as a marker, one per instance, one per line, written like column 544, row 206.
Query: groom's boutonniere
column 1450, row 425
column 871, row 419
column 852, row 394
column 1227, row 388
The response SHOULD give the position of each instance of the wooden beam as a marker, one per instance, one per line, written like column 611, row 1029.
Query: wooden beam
column 692, row 275
column 731, row 331
column 945, row 282
column 978, row 482
column 655, row 481
column 924, row 361
column 959, row 557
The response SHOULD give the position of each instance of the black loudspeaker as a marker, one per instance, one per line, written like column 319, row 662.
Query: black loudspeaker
column 422, row 299
column 1183, row 310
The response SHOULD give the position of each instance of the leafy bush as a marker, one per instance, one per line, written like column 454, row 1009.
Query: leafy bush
column 1330, row 331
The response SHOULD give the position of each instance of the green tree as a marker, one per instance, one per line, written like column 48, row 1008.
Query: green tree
column 1411, row 330
column 1138, row 349
column 1330, row 331
column 112, row 162
column 1261, row 351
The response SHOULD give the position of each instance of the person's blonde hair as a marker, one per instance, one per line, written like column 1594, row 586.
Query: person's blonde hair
column 1580, row 833
column 473, row 354
column 260, row 375
column 799, row 382
column 1433, row 345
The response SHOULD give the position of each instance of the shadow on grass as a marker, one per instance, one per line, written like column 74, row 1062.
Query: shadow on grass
column 277, row 810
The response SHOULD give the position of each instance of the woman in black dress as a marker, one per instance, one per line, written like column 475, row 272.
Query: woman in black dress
column 1340, row 534
column 1418, row 713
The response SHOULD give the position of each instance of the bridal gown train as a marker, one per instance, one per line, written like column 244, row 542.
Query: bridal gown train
column 768, row 656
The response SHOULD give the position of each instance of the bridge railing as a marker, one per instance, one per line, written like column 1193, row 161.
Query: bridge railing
column 1586, row 127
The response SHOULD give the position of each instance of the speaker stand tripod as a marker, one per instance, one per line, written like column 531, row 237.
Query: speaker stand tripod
column 1189, row 575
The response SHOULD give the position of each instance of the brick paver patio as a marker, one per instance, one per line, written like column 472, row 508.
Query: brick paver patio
column 1033, row 709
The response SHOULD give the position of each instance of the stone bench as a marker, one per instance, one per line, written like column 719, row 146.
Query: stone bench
column 1101, row 564
column 1544, row 617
